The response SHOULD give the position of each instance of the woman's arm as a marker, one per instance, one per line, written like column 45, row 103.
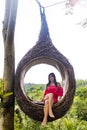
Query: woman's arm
column 59, row 98
column 58, row 84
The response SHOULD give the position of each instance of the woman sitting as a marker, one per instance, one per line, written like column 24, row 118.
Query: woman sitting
column 52, row 93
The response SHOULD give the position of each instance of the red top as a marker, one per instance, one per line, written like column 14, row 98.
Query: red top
column 57, row 91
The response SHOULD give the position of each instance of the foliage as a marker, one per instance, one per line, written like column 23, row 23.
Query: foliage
column 17, row 121
column 1, row 90
column 83, row 23
column 1, row 85
column 73, row 124
column 35, row 91
column 79, row 107
column 2, row 94
column 81, row 92
column 75, row 119
column 65, row 123
column 81, row 83
column 31, row 86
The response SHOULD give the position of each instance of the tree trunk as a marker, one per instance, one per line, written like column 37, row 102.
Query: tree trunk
column 9, row 64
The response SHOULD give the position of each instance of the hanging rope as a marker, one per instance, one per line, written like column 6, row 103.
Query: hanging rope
column 61, row 2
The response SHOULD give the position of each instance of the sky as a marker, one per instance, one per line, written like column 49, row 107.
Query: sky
column 67, row 35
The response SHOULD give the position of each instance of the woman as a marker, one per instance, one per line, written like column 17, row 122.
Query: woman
column 51, row 95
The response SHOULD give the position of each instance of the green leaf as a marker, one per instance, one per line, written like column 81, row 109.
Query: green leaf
column 7, row 94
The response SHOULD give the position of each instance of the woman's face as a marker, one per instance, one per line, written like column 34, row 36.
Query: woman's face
column 51, row 78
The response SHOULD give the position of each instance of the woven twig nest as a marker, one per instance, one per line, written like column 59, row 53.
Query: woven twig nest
column 45, row 52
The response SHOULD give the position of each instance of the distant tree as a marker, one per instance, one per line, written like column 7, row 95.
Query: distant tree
column 81, row 83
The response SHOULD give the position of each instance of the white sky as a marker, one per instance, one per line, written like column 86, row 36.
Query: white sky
column 68, row 37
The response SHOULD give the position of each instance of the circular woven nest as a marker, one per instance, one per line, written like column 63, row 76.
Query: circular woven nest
column 45, row 52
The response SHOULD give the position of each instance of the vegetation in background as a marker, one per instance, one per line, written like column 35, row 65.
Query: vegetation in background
column 75, row 119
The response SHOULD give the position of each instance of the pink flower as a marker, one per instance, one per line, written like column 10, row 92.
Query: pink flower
column 72, row 2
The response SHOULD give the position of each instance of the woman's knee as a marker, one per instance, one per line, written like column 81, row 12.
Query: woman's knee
column 51, row 95
column 46, row 102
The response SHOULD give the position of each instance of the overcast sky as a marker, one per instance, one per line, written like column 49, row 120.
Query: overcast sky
column 67, row 35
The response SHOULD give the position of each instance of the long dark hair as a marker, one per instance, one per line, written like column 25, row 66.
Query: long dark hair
column 55, row 82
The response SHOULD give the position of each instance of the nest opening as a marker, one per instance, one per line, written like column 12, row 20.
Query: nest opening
column 48, row 61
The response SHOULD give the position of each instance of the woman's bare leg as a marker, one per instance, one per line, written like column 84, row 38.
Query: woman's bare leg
column 48, row 108
column 46, row 111
column 51, row 101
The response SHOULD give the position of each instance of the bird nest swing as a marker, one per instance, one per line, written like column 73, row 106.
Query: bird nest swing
column 44, row 52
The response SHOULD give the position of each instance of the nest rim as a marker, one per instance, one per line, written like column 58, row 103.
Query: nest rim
column 65, row 78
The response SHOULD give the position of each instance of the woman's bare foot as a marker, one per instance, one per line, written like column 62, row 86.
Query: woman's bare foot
column 43, row 122
column 51, row 115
